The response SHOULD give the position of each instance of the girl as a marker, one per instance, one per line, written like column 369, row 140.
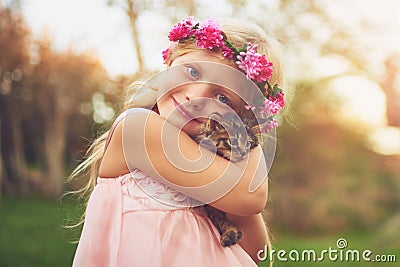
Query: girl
column 150, row 174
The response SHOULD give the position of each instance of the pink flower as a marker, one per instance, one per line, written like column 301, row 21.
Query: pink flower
column 165, row 54
column 249, row 107
column 209, row 35
column 227, row 52
column 270, row 108
column 255, row 65
column 278, row 99
column 269, row 126
column 181, row 30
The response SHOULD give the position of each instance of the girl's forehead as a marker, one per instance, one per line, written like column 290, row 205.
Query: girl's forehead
column 202, row 56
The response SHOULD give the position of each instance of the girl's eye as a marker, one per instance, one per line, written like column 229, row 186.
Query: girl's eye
column 193, row 72
column 222, row 98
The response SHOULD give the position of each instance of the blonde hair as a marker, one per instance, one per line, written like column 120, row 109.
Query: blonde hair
column 139, row 95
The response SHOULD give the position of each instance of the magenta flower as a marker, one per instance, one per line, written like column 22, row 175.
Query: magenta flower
column 270, row 108
column 249, row 107
column 227, row 52
column 255, row 65
column 181, row 30
column 278, row 99
column 165, row 54
column 269, row 126
column 209, row 35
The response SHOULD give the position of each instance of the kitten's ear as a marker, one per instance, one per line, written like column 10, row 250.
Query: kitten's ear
column 256, row 129
column 250, row 119
column 259, row 123
column 214, row 121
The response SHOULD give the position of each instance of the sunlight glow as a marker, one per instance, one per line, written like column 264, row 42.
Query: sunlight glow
column 332, row 65
column 386, row 140
column 103, row 111
column 361, row 100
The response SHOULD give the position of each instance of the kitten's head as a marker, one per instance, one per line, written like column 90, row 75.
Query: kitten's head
column 232, row 136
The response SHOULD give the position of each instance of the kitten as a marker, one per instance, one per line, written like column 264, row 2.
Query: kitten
column 232, row 139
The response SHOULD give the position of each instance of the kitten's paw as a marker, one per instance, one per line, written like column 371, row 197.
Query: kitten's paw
column 231, row 237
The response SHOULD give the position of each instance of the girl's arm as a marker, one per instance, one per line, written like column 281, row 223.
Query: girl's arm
column 255, row 236
column 144, row 138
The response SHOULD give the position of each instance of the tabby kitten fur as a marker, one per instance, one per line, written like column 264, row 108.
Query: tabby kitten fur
column 231, row 137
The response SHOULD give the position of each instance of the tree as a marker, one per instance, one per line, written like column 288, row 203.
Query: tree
column 134, row 9
column 12, row 94
column 61, row 83
column 45, row 97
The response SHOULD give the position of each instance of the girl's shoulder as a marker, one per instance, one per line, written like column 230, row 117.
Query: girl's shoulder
column 131, row 111
column 113, row 161
column 122, row 116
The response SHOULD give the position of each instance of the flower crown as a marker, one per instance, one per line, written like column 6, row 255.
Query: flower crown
column 208, row 35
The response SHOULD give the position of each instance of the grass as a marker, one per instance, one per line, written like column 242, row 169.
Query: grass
column 32, row 235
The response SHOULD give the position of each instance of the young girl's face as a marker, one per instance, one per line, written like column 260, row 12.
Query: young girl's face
column 186, row 102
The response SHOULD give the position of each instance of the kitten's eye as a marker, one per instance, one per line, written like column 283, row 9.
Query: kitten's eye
column 248, row 144
column 194, row 73
column 222, row 98
column 234, row 141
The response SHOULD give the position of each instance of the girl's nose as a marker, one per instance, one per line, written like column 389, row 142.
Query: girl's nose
column 197, row 95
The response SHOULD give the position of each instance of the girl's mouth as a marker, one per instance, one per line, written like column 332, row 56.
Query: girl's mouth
column 186, row 114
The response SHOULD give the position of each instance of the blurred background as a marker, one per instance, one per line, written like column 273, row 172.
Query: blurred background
column 63, row 69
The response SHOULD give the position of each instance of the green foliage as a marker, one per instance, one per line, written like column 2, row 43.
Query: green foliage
column 32, row 232
column 324, row 178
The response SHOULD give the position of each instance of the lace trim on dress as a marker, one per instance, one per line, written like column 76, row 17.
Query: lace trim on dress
column 141, row 192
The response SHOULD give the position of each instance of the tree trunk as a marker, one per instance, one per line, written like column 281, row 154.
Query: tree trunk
column 132, row 14
column 1, row 162
column 55, row 138
column 18, row 169
column 390, row 89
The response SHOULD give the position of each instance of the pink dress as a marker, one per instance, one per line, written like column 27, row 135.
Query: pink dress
column 124, row 226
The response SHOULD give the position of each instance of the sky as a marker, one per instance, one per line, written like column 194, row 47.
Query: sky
column 104, row 30
column 93, row 25
column 89, row 25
